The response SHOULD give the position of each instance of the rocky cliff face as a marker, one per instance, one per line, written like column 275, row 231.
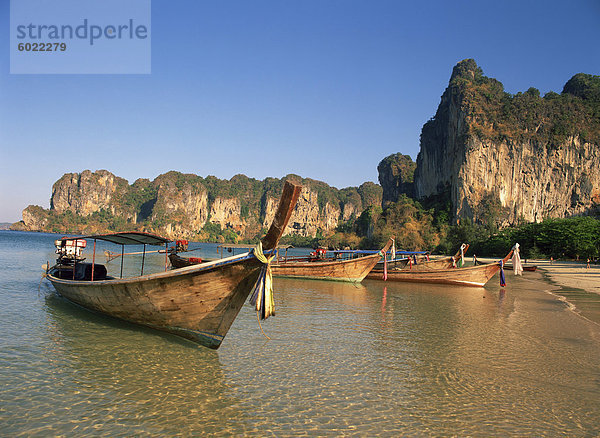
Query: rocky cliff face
column 227, row 213
column 186, row 206
column 179, row 210
column 396, row 174
column 87, row 192
column 518, row 150
column 306, row 219
column 34, row 218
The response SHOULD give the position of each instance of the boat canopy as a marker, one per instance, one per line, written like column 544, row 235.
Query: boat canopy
column 372, row 251
column 125, row 238
column 246, row 246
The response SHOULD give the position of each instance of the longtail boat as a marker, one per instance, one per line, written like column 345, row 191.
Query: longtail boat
column 316, row 266
column 199, row 302
column 476, row 276
column 181, row 262
column 353, row 270
column 422, row 265
column 443, row 263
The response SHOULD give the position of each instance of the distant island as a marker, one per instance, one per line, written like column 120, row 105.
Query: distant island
column 493, row 167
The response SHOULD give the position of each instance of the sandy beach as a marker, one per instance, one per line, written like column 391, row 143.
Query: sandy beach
column 575, row 283
column 571, row 274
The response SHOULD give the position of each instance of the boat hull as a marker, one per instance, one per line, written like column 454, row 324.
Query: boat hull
column 198, row 303
column 525, row 268
column 476, row 276
column 353, row 270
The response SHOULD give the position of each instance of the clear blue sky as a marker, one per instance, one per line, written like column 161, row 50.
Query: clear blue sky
column 321, row 88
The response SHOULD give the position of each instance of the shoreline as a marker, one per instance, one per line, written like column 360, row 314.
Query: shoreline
column 572, row 275
column 567, row 274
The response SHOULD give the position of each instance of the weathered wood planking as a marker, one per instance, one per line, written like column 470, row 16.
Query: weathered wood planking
column 353, row 270
column 198, row 302
column 476, row 276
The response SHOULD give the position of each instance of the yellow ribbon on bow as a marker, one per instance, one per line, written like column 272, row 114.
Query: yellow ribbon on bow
column 262, row 295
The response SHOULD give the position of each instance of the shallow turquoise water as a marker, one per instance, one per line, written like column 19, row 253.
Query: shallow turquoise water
column 377, row 359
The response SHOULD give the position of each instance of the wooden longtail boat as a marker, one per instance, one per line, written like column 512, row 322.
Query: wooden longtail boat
column 443, row 263
column 352, row 270
column 422, row 265
column 476, row 276
column 199, row 302
column 181, row 262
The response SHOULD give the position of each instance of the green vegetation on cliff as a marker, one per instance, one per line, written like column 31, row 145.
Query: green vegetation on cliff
column 548, row 121
column 181, row 204
column 495, row 117
column 187, row 205
column 570, row 238
column 396, row 176
column 417, row 227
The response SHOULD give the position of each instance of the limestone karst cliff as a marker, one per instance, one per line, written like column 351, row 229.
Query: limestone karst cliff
column 485, row 155
column 86, row 192
column 396, row 173
column 534, row 156
column 189, row 206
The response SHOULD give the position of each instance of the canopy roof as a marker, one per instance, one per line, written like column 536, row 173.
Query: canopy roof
column 125, row 238
column 345, row 251
column 246, row 246
column 373, row 251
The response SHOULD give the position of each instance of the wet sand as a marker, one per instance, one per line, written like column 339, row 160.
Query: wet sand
column 574, row 284
column 568, row 274
column 573, row 275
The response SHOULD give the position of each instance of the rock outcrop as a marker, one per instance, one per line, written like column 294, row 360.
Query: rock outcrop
column 537, row 157
column 396, row 174
column 227, row 213
column 86, row 192
column 35, row 218
column 189, row 206
column 306, row 219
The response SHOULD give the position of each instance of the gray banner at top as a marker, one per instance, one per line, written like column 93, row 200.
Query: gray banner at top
column 80, row 37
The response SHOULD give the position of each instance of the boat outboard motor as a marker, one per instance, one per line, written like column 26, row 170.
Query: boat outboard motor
column 69, row 250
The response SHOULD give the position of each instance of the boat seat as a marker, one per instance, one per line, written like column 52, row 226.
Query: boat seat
column 84, row 272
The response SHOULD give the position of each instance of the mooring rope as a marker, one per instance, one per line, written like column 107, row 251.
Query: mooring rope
column 40, row 285
column 44, row 275
column 260, row 326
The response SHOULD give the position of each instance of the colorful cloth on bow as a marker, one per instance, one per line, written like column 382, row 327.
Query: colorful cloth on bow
column 385, row 267
column 502, row 278
column 262, row 295
column 516, row 260
column 461, row 261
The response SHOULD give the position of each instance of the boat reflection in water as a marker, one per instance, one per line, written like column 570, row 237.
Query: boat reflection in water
column 376, row 359
column 128, row 373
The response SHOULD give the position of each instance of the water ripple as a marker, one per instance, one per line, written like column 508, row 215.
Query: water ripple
column 378, row 359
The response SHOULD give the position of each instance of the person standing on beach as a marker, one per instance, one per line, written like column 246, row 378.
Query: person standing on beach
column 588, row 264
column 551, row 260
